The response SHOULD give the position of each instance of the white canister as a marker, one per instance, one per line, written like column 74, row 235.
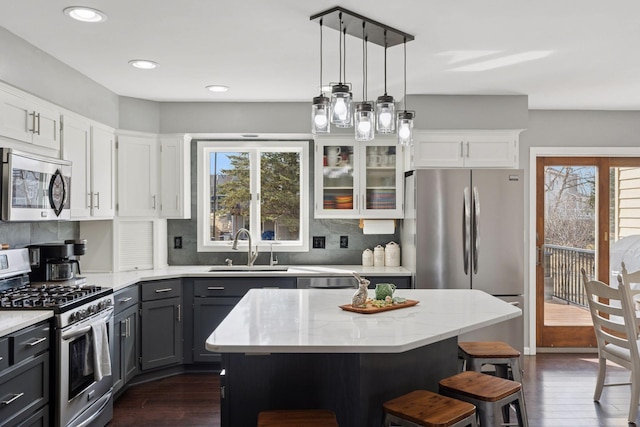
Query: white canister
column 367, row 258
column 392, row 255
column 378, row 256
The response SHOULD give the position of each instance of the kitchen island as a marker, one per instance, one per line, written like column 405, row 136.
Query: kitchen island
column 291, row 349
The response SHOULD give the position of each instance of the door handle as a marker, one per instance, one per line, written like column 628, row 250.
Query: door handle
column 123, row 300
column 90, row 200
column 154, row 201
column 38, row 131
column 179, row 314
column 476, row 228
column 215, row 288
column 98, row 198
column 466, row 228
column 33, row 122
column 159, row 291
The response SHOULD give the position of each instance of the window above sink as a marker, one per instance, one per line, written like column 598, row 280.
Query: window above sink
column 259, row 185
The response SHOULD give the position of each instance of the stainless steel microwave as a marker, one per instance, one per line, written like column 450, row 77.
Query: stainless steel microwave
column 34, row 188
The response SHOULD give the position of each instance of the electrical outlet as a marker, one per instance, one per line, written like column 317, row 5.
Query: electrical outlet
column 344, row 242
column 318, row 242
column 177, row 242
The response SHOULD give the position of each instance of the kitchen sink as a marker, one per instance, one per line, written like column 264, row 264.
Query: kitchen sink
column 231, row 268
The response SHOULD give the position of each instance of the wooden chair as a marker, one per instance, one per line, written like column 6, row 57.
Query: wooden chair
column 297, row 418
column 489, row 394
column 615, row 325
column 426, row 409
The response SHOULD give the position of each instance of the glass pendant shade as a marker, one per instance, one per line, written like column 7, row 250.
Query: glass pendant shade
column 385, row 114
column 341, row 106
column 365, row 121
column 320, row 115
column 405, row 127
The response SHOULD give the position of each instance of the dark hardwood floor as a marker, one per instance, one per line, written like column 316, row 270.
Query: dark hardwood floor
column 558, row 392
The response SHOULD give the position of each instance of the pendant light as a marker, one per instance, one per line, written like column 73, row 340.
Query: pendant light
column 405, row 118
column 385, row 106
column 320, row 109
column 341, row 93
column 365, row 117
column 339, row 111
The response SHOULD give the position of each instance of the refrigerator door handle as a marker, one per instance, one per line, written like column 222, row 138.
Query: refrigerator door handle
column 476, row 228
column 466, row 229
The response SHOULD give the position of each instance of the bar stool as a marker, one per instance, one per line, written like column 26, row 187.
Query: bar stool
column 488, row 393
column 297, row 418
column 497, row 353
column 427, row 409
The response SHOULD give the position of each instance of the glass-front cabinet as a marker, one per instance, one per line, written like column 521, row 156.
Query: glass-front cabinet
column 358, row 179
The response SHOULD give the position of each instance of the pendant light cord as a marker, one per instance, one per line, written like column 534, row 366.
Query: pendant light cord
column 405, row 74
column 340, row 50
column 344, row 64
column 385, row 62
column 364, row 64
column 321, row 92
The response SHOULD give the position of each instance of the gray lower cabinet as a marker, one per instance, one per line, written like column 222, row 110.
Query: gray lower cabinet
column 125, row 348
column 161, row 323
column 214, row 298
column 24, row 382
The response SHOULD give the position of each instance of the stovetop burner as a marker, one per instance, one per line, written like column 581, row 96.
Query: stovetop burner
column 59, row 297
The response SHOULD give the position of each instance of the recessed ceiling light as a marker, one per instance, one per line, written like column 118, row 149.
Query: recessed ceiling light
column 218, row 88
column 85, row 14
column 144, row 64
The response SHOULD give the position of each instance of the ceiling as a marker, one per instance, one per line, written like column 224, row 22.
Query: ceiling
column 586, row 50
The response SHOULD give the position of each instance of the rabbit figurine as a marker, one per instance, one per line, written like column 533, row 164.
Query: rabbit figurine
column 360, row 297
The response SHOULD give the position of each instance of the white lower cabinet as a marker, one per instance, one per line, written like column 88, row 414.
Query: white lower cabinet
column 462, row 148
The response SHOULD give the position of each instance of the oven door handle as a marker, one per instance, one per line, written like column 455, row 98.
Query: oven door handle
column 81, row 331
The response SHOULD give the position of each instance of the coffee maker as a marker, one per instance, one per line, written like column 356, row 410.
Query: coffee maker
column 55, row 261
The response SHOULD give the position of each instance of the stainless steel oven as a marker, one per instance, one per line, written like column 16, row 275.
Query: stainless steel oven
column 85, row 394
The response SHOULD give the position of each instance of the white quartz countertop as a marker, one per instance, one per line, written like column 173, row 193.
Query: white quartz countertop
column 124, row 279
column 14, row 320
column 310, row 321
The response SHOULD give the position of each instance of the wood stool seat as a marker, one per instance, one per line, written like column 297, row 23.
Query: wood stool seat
column 488, row 393
column 424, row 408
column 297, row 417
column 497, row 353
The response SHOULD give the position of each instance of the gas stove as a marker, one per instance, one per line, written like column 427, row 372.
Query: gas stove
column 70, row 300
column 53, row 296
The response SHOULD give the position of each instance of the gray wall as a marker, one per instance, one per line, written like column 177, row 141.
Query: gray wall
column 32, row 70
column 139, row 115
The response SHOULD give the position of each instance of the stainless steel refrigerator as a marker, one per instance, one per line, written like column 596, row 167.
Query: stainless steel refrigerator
column 464, row 229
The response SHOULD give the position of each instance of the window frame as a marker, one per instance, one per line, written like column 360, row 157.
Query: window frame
column 254, row 148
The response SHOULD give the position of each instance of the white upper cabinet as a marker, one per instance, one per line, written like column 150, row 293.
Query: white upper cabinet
column 175, row 176
column 76, row 147
column 137, row 175
column 103, row 169
column 90, row 146
column 358, row 179
column 478, row 149
column 27, row 119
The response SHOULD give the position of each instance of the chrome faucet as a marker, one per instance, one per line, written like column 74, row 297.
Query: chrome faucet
column 272, row 261
column 251, row 256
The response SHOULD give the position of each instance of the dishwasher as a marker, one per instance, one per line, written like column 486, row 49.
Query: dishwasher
column 333, row 282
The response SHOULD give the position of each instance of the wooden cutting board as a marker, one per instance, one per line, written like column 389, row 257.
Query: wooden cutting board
column 370, row 309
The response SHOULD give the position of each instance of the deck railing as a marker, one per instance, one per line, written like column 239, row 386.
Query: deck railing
column 562, row 268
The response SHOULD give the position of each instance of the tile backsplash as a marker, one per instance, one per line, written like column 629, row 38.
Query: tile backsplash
column 21, row 234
